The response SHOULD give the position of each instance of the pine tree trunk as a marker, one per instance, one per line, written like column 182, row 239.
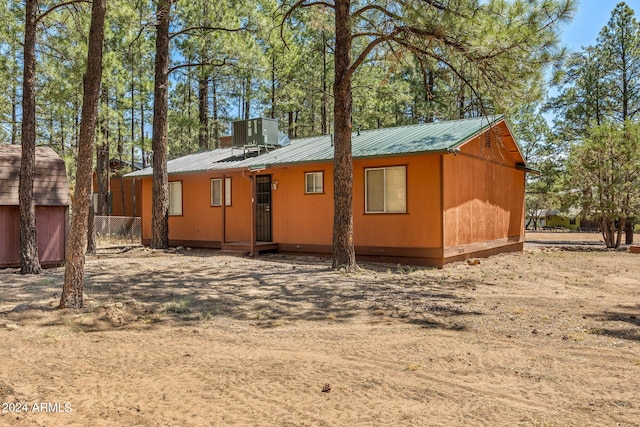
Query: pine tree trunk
column 73, row 289
column 619, row 231
column 343, row 250
column 608, row 232
column 160, row 186
column 187, row 143
column 133, row 118
column 273, row 84
column 628, row 231
column 29, row 263
column 604, row 226
column 216, row 125
column 142, row 136
column 312, row 115
column 203, row 112
column 102, row 159
column 76, row 123
column 247, row 99
column 324, row 108
column 14, row 114
column 430, row 96
column 120, row 149
column 91, row 229
column 290, row 124
column 62, row 134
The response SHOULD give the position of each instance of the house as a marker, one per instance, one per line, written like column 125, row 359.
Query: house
column 52, row 199
column 554, row 220
column 425, row 194
column 551, row 220
column 122, row 197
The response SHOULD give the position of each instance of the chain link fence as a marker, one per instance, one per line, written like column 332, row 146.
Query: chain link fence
column 125, row 227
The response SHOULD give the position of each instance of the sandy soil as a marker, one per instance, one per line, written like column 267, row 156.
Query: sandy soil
column 547, row 337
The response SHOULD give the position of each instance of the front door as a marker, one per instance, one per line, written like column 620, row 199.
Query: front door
column 263, row 208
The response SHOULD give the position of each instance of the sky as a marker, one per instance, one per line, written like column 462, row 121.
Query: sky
column 591, row 16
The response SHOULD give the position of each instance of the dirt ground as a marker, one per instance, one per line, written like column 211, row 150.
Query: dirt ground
column 547, row 337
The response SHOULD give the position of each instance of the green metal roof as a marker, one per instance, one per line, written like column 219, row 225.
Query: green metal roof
column 195, row 162
column 422, row 138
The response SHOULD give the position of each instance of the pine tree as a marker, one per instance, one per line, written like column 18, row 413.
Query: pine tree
column 72, row 292
column 160, row 185
column 29, row 263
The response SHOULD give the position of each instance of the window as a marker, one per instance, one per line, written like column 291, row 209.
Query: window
column 386, row 190
column 216, row 192
column 313, row 182
column 175, row 198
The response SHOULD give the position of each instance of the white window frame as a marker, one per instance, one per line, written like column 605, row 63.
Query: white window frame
column 175, row 208
column 227, row 191
column 366, row 190
column 314, row 176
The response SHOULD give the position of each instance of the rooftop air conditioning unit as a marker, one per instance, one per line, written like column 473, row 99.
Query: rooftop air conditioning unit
column 255, row 132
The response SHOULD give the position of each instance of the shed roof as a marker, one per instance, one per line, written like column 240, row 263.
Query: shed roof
column 422, row 138
column 50, row 186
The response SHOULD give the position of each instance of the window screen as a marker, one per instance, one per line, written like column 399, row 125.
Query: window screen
column 175, row 198
column 313, row 182
column 386, row 190
column 216, row 192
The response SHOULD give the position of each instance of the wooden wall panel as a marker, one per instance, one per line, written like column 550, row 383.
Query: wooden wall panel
column 51, row 225
column 9, row 236
column 484, row 195
column 130, row 186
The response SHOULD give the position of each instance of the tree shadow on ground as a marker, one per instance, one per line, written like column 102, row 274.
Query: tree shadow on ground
column 266, row 292
column 628, row 320
column 575, row 246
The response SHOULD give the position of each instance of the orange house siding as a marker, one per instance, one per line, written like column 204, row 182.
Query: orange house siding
column 200, row 223
column 484, row 199
column 305, row 221
column 419, row 227
column 299, row 218
column 238, row 216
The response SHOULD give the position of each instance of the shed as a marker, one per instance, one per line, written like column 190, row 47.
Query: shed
column 52, row 200
column 426, row 194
